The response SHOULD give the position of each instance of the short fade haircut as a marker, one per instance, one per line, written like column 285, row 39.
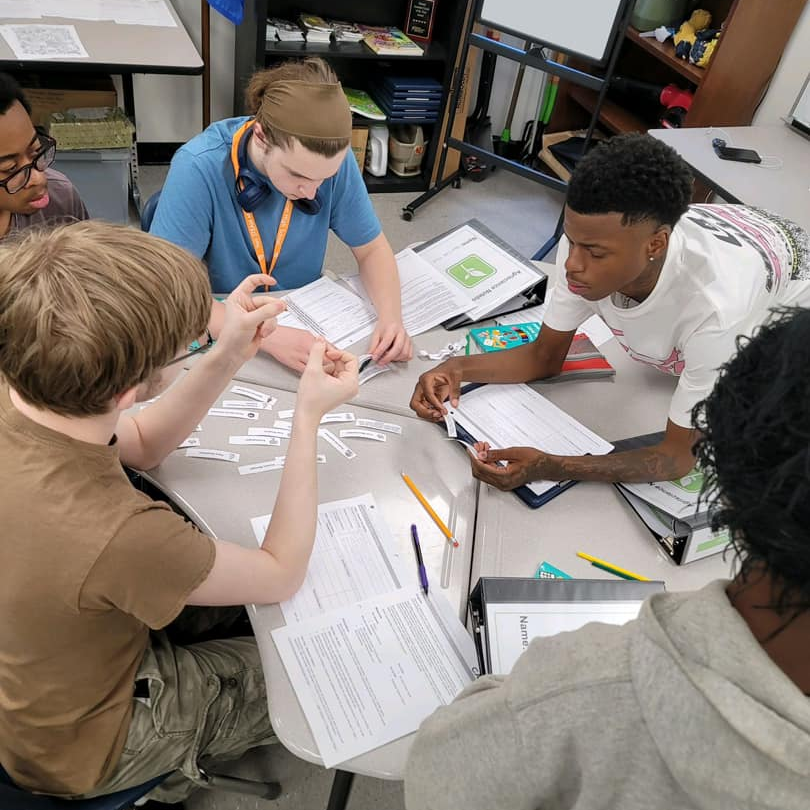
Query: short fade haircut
column 755, row 453
column 636, row 176
column 91, row 309
column 10, row 91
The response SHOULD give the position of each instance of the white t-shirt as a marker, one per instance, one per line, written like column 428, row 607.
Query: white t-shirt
column 726, row 267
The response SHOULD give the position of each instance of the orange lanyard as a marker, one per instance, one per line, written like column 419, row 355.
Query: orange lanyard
column 250, row 220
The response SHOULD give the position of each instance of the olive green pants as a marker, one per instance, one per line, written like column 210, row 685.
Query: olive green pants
column 200, row 703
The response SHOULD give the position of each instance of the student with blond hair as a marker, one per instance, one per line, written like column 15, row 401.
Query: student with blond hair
column 95, row 696
column 261, row 193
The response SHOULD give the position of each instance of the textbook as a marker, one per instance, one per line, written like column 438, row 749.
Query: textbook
column 315, row 27
column 389, row 41
column 285, row 30
column 584, row 360
column 363, row 104
column 346, row 31
column 672, row 511
column 508, row 612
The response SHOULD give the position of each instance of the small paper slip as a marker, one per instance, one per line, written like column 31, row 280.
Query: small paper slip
column 233, row 413
column 410, row 653
column 262, row 466
column 251, row 393
column 239, row 403
column 371, row 370
column 337, row 417
column 278, row 433
column 37, row 42
column 354, row 557
column 266, row 441
column 214, row 455
column 361, row 433
column 342, row 448
column 198, row 429
column 283, row 424
column 387, row 427
column 287, row 414
column 191, row 441
column 451, row 425
column 320, row 458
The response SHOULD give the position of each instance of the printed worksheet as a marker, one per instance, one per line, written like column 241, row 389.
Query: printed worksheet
column 428, row 298
column 370, row 673
column 37, row 42
column 354, row 557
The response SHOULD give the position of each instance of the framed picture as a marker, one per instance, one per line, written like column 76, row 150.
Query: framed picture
column 419, row 20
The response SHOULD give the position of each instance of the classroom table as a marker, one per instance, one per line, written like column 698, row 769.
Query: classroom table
column 784, row 190
column 119, row 49
column 221, row 503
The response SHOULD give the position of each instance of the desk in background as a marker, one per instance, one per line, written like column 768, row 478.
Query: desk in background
column 785, row 191
column 120, row 49
column 222, row 502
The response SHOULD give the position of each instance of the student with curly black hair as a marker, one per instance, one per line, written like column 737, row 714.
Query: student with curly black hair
column 676, row 283
column 702, row 702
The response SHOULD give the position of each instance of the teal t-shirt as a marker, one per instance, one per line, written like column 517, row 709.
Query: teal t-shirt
column 198, row 211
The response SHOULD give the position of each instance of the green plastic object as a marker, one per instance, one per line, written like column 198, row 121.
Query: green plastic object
column 649, row 14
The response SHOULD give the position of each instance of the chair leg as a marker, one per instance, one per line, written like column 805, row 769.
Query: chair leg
column 341, row 787
column 233, row 784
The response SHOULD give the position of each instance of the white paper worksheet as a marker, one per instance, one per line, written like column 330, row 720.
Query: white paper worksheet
column 370, row 673
column 37, row 42
column 354, row 557
column 477, row 266
column 327, row 308
column 428, row 298
column 517, row 416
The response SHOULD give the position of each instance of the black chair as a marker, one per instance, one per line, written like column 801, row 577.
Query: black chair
column 15, row 798
column 148, row 212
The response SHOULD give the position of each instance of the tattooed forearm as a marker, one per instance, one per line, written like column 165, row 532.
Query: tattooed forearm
column 657, row 463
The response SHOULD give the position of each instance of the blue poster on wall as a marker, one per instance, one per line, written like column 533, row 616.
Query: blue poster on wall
column 233, row 10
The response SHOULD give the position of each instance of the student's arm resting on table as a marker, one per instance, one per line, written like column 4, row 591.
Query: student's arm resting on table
column 671, row 458
column 275, row 571
column 378, row 272
column 534, row 361
column 145, row 439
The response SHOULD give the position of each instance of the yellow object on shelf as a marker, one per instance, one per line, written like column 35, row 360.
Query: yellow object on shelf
column 91, row 128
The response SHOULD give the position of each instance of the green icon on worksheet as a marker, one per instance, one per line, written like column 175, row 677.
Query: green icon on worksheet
column 471, row 271
column 691, row 482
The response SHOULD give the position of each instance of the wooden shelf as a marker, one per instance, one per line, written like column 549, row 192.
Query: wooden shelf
column 434, row 52
column 665, row 52
column 614, row 117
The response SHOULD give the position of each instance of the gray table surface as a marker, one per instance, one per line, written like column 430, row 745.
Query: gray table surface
column 784, row 190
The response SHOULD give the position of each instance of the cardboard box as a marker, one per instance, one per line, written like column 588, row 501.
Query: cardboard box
column 359, row 144
column 87, row 92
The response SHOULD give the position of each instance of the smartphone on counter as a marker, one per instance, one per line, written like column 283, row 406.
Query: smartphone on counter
column 733, row 153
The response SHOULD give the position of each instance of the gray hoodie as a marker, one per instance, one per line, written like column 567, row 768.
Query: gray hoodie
column 679, row 709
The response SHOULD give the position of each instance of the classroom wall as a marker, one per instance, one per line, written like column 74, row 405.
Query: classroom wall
column 789, row 78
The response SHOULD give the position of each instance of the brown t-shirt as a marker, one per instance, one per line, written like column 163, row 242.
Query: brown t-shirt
column 65, row 205
column 87, row 565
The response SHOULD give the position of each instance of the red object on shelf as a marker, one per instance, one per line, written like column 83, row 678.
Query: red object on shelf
column 419, row 19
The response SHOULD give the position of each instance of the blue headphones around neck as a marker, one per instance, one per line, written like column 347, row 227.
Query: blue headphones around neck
column 256, row 188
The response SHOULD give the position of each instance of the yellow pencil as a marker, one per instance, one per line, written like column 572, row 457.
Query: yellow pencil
column 622, row 572
column 429, row 509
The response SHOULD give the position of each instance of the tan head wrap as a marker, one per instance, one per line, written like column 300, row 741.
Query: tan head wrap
column 307, row 110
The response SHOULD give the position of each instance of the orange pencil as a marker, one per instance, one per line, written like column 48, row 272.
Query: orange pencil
column 429, row 509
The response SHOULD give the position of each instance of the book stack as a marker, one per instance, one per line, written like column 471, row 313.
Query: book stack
column 388, row 41
column 409, row 100
column 316, row 29
column 346, row 31
column 285, row 30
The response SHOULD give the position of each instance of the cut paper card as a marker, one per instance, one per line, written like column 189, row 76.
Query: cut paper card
column 191, row 441
column 259, row 441
column 214, row 455
column 361, row 433
column 340, row 446
column 337, row 417
column 278, row 433
column 374, row 424
column 233, row 413
column 370, row 369
column 252, row 393
column 239, row 403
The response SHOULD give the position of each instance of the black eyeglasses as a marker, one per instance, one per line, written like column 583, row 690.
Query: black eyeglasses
column 194, row 348
column 46, row 155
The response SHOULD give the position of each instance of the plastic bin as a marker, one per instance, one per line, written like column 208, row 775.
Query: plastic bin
column 101, row 177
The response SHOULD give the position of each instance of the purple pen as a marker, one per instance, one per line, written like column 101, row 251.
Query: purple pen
column 420, row 563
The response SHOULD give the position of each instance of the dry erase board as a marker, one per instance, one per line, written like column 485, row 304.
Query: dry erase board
column 583, row 27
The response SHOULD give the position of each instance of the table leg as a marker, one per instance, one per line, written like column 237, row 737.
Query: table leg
column 129, row 109
column 341, row 787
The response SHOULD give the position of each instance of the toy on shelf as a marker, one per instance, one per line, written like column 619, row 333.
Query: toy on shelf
column 694, row 40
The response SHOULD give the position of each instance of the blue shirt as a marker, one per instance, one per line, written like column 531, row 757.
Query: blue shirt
column 198, row 211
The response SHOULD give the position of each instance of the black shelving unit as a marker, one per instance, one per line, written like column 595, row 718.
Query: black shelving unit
column 355, row 63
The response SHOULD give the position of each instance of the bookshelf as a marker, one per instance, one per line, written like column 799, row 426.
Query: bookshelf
column 355, row 63
column 726, row 92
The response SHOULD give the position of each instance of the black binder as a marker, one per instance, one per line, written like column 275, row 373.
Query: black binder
column 504, row 590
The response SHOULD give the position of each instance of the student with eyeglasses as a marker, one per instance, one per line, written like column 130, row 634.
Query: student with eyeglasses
column 31, row 192
column 261, row 193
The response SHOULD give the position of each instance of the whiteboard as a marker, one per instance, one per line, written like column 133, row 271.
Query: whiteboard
column 800, row 114
column 583, row 27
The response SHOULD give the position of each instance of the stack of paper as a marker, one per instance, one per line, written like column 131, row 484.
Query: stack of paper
column 368, row 654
